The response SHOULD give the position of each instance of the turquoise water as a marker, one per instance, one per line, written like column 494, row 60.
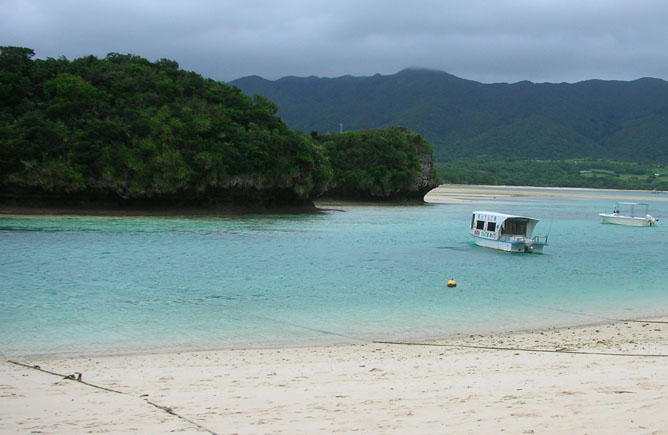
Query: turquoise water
column 127, row 284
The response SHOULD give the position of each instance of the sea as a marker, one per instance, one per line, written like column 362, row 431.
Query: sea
column 94, row 285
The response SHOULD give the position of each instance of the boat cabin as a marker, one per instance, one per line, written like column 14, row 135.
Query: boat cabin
column 505, row 232
column 496, row 226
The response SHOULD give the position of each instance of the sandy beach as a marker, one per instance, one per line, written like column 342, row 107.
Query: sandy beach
column 609, row 378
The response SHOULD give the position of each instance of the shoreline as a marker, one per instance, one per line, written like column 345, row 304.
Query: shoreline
column 287, row 345
column 603, row 378
column 444, row 193
column 6, row 210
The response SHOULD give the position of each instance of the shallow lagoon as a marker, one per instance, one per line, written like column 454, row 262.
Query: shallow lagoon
column 131, row 284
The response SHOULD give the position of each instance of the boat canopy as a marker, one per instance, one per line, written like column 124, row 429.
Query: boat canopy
column 499, row 217
column 632, row 208
column 505, row 223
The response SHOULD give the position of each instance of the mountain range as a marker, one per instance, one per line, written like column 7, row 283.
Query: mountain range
column 464, row 119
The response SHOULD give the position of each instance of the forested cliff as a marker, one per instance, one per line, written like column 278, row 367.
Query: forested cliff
column 127, row 130
column 380, row 163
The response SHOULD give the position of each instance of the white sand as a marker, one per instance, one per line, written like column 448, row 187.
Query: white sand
column 369, row 388
column 450, row 193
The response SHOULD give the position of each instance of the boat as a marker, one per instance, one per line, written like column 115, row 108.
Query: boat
column 506, row 232
column 633, row 214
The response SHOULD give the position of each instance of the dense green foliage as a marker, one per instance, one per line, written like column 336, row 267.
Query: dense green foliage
column 464, row 120
column 380, row 163
column 572, row 173
column 123, row 127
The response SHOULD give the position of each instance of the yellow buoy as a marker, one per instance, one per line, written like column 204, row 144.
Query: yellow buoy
column 452, row 283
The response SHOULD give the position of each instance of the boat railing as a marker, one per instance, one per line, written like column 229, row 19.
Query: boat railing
column 540, row 239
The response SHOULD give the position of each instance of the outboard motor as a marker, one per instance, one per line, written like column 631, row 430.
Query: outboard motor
column 528, row 246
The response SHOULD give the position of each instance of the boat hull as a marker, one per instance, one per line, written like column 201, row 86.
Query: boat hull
column 627, row 220
column 509, row 246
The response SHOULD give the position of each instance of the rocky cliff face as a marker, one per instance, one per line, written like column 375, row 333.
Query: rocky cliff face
column 427, row 178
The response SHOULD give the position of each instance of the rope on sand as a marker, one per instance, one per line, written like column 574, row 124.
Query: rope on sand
column 76, row 377
column 644, row 321
column 521, row 349
column 470, row 346
column 578, row 313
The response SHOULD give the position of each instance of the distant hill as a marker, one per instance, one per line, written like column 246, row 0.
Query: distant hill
column 463, row 118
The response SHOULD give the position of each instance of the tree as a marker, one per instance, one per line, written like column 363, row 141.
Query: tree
column 124, row 127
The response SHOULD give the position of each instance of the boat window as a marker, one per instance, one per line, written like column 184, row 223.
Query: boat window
column 514, row 227
column 491, row 226
column 473, row 220
column 480, row 225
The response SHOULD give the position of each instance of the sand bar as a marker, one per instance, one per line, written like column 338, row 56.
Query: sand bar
column 516, row 383
column 452, row 193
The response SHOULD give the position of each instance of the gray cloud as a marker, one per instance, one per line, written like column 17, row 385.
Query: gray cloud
column 488, row 41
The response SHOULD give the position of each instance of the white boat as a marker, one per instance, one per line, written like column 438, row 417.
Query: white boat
column 506, row 232
column 633, row 214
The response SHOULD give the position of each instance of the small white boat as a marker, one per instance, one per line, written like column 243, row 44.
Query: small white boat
column 633, row 214
column 506, row 232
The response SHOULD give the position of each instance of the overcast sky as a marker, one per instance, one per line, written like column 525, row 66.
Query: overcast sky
column 488, row 41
